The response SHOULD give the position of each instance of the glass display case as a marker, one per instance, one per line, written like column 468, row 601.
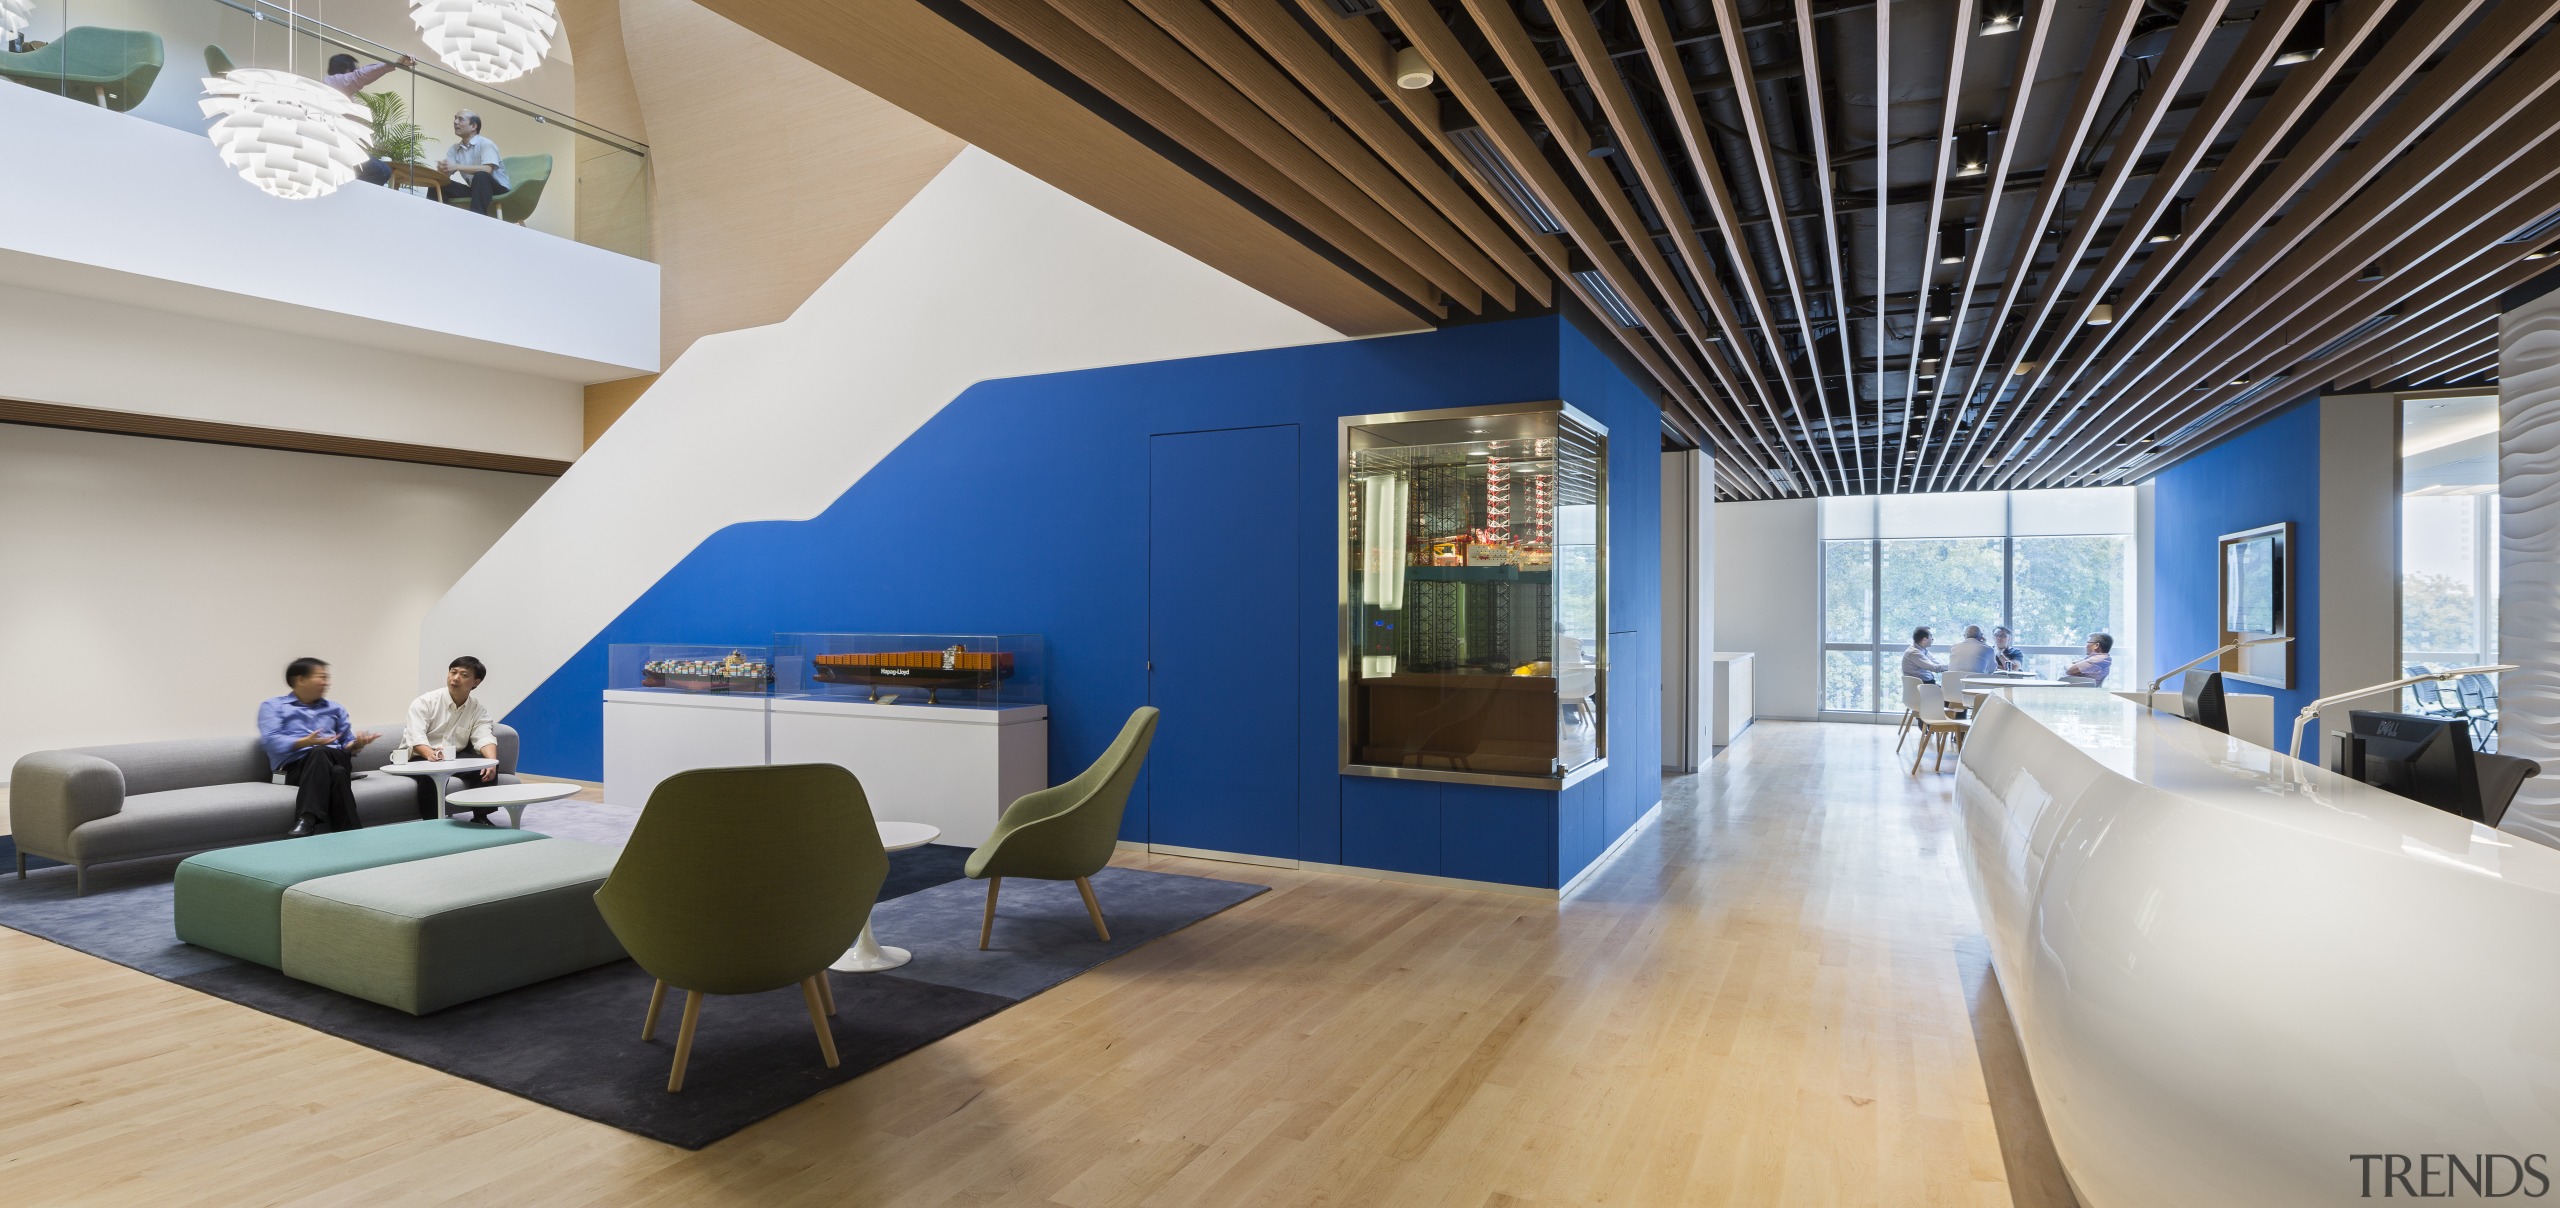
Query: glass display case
column 1474, row 558
column 949, row 669
column 734, row 670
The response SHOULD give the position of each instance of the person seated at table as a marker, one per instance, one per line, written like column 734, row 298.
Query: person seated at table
column 308, row 738
column 2101, row 660
column 350, row 79
column 450, row 720
column 2004, row 656
column 1917, row 662
column 1969, row 656
column 472, row 158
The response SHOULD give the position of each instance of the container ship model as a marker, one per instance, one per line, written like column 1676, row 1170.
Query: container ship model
column 736, row 673
column 932, row 670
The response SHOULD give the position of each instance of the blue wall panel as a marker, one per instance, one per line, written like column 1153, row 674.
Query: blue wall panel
column 1391, row 824
column 1488, row 833
column 2265, row 474
column 1022, row 508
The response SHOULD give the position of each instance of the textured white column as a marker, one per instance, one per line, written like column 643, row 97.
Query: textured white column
column 2529, row 557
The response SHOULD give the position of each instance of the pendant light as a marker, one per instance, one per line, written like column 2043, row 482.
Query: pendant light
column 2001, row 17
column 14, row 16
column 2101, row 315
column 1951, row 244
column 1413, row 72
column 2304, row 42
column 1973, row 152
column 2172, row 225
column 1941, row 304
column 491, row 41
column 291, row 135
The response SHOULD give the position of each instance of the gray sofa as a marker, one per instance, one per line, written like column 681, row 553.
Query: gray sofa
column 94, row 805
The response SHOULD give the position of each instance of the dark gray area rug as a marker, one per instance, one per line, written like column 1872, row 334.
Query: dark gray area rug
column 573, row 1043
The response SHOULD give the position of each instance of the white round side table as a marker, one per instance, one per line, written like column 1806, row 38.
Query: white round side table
column 866, row 955
column 435, row 770
column 509, row 797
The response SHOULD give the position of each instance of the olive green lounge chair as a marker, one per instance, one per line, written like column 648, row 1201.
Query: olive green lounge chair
column 1066, row 833
column 744, row 880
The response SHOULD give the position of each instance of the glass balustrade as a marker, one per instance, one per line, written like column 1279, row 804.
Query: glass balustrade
column 150, row 58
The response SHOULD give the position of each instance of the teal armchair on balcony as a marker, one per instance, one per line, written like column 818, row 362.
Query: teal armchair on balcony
column 217, row 61
column 528, row 174
column 109, row 67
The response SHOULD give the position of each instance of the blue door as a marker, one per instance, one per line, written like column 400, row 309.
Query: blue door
column 1222, row 639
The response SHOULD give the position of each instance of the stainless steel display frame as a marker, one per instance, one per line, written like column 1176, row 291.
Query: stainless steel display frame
column 1342, row 596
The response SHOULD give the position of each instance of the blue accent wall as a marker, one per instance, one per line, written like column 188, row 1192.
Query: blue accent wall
column 2267, row 473
column 1023, row 508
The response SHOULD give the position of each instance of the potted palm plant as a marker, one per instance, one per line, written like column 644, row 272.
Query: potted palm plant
column 395, row 138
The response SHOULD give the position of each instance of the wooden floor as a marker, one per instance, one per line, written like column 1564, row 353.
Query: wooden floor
column 1774, row 995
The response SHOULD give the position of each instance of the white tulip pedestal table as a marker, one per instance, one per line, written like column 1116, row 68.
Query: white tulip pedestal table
column 866, row 955
column 436, row 770
column 509, row 797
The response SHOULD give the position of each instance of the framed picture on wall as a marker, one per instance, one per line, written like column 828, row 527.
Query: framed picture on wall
column 2257, row 602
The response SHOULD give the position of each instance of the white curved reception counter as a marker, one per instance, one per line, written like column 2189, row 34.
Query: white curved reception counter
column 2239, row 979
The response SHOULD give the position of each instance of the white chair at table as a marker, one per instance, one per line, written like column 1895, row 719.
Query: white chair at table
column 1910, row 710
column 1936, row 726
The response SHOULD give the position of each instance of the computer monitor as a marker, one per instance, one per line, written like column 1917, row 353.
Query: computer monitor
column 2425, row 759
column 2203, row 702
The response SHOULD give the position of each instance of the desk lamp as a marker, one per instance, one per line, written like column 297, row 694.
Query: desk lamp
column 2313, row 709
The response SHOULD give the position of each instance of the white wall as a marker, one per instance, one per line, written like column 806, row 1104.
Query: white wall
column 148, row 215
column 986, row 273
column 81, row 352
column 155, row 589
column 1768, row 600
column 2359, row 555
column 2529, row 557
column 1688, row 607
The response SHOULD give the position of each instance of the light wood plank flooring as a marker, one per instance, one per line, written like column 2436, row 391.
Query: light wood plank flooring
column 1775, row 995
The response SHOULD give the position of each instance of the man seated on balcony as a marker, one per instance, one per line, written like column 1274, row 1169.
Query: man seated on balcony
column 350, row 79
column 476, row 161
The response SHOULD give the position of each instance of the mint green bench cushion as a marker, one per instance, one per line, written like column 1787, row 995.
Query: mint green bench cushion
column 427, row 934
column 230, row 900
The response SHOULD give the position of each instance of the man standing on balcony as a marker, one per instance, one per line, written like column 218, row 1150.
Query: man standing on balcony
column 474, row 164
column 350, row 79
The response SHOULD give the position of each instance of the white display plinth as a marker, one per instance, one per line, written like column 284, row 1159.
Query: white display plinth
column 1731, row 698
column 649, row 736
column 952, row 767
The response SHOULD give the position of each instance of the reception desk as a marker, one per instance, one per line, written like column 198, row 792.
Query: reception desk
column 2232, row 972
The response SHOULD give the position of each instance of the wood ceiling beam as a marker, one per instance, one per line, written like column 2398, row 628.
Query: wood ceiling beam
column 1618, row 106
column 1050, row 32
column 1746, row 97
column 1198, row 91
column 2459, row 362
column 2377, row 86
column 1280, row 36
column 2385, row 360
column 1705, row 162
column 2240, row 73
column 2458, row 280
column 2032, row 38
column 1440, row 45
column 1819, row 122
column 2194, row 32
column 1883, row 56
column 1366, row 49
column 1903, row 452
column 1215, row 43
column 2232, row 308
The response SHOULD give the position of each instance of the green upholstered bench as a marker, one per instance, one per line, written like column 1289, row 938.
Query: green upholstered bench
column 427, row 934
column 232, row 900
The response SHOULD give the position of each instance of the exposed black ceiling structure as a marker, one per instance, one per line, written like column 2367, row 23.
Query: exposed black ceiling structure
column 1923, row 245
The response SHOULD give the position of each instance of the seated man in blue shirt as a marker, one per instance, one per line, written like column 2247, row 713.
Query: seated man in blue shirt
column 308, row 737
column 2101, row 660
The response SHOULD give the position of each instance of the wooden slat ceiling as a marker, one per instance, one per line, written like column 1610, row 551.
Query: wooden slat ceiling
column 2030, row 245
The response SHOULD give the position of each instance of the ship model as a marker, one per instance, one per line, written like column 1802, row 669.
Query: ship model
column 736, row 673
column 931, row 670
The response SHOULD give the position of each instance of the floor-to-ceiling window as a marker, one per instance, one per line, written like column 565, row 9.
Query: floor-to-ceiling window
column 2052, row 566
column 2449, row 554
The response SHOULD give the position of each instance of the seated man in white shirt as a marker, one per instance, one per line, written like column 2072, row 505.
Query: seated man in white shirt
column 1917, row 662
column 472, row 166
column 447, row 722
column 1970, row 656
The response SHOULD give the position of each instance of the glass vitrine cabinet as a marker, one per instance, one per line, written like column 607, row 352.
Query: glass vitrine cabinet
column 1474, row 565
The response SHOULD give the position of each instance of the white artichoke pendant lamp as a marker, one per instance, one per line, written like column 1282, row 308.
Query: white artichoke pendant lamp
column 491, row 41
column 291, row 135
column 15, row 15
